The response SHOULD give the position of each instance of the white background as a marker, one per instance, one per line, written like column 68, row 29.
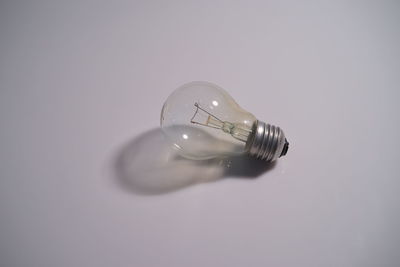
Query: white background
column 86, row 180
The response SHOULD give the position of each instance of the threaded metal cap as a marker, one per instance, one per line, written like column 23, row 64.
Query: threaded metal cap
column 267, row 142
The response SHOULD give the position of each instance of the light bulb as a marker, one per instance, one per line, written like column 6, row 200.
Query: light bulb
column 203, row 121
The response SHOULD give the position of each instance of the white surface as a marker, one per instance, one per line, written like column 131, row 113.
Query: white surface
column 80, row 80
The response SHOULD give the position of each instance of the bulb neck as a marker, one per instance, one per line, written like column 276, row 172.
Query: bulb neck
column 266, row 142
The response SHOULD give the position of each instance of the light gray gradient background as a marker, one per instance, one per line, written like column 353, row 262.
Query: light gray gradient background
column 86, row 179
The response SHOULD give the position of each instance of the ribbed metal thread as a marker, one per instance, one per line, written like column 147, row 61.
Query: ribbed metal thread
column 266, row 142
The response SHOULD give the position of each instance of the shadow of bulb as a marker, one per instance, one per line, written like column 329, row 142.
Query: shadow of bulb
column 150, row 165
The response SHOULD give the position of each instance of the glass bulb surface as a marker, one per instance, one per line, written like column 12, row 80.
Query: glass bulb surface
column 203, row 121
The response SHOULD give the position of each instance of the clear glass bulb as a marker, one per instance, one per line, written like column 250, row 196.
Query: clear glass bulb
column 203, row 121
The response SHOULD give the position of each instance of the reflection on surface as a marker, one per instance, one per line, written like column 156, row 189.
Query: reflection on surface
column 150, row 165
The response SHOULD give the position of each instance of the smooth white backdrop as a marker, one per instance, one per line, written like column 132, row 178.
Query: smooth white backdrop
column 81, row 88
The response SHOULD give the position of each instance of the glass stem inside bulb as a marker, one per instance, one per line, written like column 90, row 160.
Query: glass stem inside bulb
column 205, row 118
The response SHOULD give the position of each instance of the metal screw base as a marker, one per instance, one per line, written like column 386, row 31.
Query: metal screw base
column 267, row 142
